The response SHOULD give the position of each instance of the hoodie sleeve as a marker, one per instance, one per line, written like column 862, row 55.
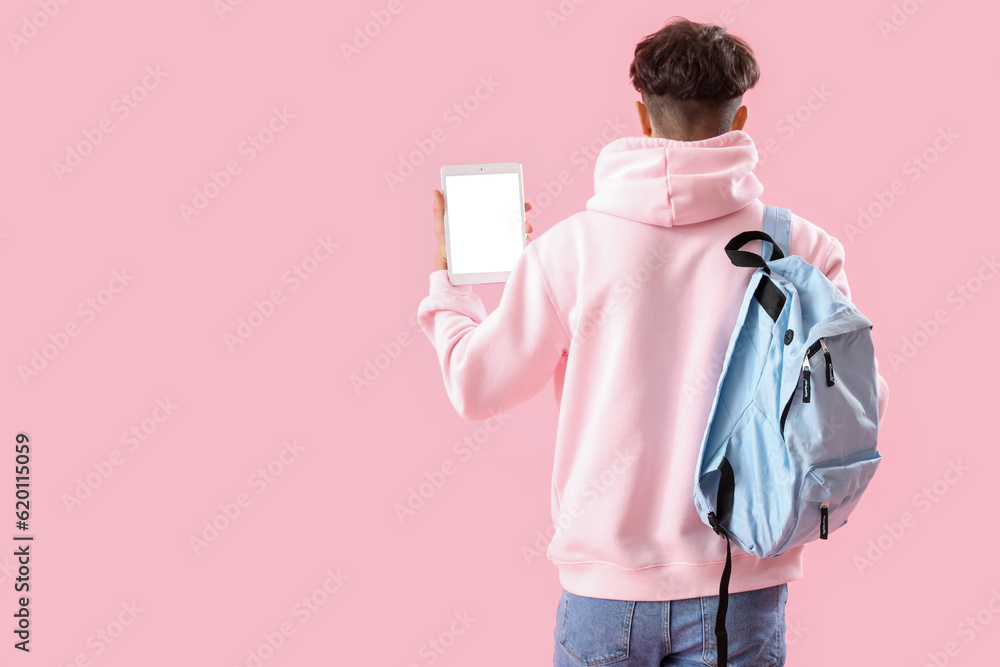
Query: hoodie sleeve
column 834, row 270
column 492, row 363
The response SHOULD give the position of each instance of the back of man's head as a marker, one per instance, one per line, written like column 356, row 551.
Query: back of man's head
column 692, row 77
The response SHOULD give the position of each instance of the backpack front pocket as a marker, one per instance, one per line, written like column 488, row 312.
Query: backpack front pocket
column 831, row 490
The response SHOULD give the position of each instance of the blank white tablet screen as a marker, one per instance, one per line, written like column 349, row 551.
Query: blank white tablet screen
column 485, row 222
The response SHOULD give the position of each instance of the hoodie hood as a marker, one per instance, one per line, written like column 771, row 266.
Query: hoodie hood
column 667, row 182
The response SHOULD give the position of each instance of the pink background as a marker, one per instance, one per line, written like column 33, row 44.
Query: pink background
column 332, row 506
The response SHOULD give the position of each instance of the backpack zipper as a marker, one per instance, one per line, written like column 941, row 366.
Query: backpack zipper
column 806, row 383
column 829, row 363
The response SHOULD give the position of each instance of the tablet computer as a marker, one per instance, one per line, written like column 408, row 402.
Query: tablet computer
column 483, row 220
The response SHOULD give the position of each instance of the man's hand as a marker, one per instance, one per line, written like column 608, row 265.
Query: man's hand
column 441, row 258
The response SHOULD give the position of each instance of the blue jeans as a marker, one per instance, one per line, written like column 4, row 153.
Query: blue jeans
column 621, row 633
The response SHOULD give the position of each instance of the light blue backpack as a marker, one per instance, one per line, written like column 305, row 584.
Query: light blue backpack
column 791, row 439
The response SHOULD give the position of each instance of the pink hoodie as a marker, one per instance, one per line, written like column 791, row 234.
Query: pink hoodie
column 628, row 306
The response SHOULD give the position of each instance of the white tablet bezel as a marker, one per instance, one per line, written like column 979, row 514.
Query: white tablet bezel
column 472, row 169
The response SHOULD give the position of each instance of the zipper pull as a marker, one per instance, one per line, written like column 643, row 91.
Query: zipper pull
column 806, row 385
column 824, row 513
column 829, row 364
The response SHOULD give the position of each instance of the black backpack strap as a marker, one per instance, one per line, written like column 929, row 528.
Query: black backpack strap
column 744, row 258
column 724, row 506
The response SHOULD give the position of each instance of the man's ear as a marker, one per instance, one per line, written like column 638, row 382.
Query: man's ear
column 741, row 118
column 647, row 128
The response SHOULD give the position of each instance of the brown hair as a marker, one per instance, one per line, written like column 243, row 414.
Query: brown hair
column 692, row 77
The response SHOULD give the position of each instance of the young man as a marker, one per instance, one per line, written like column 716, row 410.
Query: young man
column 629, row 306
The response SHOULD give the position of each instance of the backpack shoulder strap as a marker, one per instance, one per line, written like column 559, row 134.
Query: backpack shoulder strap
column 777, row 225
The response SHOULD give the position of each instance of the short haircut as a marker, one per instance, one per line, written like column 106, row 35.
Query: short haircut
column 692, row 77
